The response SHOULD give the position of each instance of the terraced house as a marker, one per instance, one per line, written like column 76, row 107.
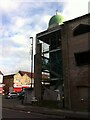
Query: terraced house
column 17, row 82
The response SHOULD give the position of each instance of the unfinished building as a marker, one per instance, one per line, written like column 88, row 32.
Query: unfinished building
column 62, row 52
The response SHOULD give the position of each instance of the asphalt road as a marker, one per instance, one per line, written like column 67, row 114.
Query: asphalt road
column 9, row 113
column 22, row 114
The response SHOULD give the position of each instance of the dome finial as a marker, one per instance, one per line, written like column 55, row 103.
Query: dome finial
column 56, row 12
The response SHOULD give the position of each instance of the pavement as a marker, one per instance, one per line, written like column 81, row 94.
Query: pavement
column 16, row 105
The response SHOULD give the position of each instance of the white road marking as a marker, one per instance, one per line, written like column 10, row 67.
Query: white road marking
column 28, row 112
column 16, row 110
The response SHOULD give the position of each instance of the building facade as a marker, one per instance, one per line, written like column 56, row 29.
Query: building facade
column 62, row 51
column 8, row 81
column 17, row 82
column 1, row 80
column 76, row 62
column 23, row 80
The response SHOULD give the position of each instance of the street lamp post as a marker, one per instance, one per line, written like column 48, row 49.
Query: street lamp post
column 31, row 61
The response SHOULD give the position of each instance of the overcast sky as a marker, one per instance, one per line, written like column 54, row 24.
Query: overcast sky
column 20, row 19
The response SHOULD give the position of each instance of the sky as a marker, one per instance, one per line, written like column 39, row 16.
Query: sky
column 22, row 19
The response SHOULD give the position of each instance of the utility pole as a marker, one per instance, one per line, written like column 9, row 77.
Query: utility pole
column 31, row 61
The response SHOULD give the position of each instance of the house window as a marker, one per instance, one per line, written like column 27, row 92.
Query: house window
column 81, row 29
column 17, row 80
column 82, row 58
column 25, row 83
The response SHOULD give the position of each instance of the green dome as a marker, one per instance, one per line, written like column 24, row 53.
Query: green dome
column 55, row 20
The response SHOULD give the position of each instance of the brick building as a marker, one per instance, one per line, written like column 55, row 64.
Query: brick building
column 17, row 82
column 76, row 61
column 8, row 81
column 1, row 80
column 63, row 52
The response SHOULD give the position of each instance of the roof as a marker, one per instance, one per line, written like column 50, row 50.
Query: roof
column 44, row 76
column 9, row 76
column 80, row 17
column 44, row 35
column 28, row 73
column 1, row 73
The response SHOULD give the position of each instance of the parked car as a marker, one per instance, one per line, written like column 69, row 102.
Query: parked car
column 11, row 95
column 21, row 95
column 18, row 93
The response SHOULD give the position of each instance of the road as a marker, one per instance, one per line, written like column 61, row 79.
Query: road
column 10, row 113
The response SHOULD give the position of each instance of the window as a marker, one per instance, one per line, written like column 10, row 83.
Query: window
column 25, row 82
column 17, row 80
column 81, row 29
column 82, row 58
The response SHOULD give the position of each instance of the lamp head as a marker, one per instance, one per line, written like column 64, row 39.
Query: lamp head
column 31, row 37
